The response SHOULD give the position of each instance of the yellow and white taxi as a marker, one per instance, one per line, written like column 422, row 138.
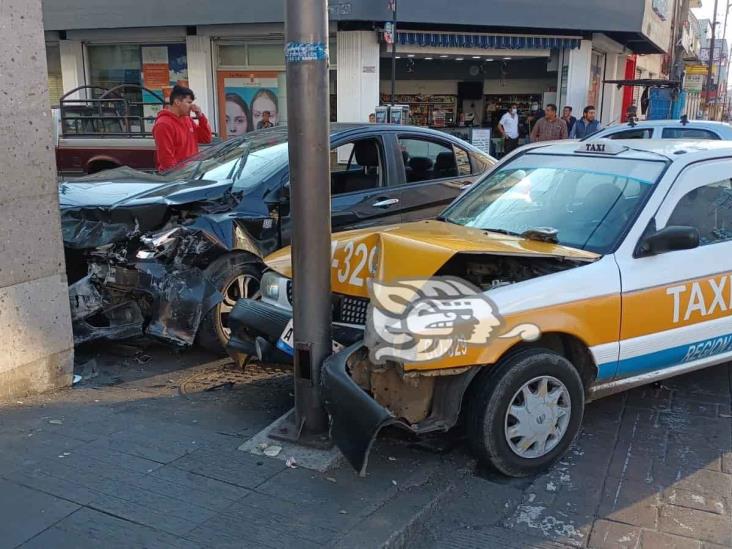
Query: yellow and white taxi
column 571, row 271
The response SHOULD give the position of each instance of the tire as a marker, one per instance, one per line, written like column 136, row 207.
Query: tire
column 225, row 273
column 488, row 421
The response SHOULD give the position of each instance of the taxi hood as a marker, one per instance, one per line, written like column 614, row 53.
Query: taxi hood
column 417, row 250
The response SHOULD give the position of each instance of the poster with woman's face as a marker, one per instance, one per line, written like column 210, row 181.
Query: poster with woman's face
column 249, row 100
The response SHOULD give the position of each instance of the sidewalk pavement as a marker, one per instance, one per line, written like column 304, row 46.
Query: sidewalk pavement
column 143, row 453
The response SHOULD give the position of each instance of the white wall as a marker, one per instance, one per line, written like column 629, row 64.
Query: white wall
column 72, row 65
column 578, row 77
column 201, row 76
column 358, row 75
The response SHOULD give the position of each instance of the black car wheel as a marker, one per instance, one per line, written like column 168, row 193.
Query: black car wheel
column 524, row 417
column 237, row 277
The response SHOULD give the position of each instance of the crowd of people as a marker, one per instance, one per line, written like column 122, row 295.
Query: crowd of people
column 547, row 125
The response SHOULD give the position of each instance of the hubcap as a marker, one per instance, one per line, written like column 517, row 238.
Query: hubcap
column 241, row 287
column 537, row 417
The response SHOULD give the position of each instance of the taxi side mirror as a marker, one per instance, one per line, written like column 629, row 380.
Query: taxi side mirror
column 669, row 239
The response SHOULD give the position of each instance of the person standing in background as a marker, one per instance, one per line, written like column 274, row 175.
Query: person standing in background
column 264, row 101
column 568, row 118
column 372, row 118
column 176, row 134
column 549, row 128
column 587, row 125
column 536, row 114
column 265, row 122
column 508, row 126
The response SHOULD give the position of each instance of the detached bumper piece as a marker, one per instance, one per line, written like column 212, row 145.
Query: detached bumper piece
column 256, row 326
column 356, row 418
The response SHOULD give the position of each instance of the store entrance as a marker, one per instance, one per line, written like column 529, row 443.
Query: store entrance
column 466, row 95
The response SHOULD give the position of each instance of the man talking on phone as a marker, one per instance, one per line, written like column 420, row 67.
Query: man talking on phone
column 176, row 133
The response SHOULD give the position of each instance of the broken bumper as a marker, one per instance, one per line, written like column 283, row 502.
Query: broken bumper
column 256, row 327
column 356, row 418
column 119, row 302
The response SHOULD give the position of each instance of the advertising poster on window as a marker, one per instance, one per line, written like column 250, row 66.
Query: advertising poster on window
column 162, row 68
column 248, row 101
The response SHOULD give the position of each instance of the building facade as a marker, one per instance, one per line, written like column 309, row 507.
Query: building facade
column 464, row 58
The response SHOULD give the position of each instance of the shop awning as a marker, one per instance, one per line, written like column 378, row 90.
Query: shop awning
column 486, row 41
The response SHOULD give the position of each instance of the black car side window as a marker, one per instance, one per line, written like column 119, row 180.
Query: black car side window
column 709, row 209
column 425, row 160
column 356, row 166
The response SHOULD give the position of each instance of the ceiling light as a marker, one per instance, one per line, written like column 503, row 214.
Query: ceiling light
column 459, row 59
column 476, row 57
column 428, row 58
column 398, row 56
column 410, row 55
column 507, row 58
column 489, row 60
column 444, row 56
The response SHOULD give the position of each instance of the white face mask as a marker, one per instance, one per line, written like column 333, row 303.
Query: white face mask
column 535, row 107
column 514, row 111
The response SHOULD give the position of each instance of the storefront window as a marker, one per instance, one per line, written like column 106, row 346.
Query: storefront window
column 232, row 55
column 55, row 84
column 266, row 55
column 157, row 67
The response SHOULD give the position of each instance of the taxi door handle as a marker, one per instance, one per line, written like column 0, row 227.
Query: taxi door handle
column 387, row 203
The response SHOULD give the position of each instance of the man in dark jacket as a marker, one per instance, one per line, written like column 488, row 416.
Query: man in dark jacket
column 587, row 125
column 176, row 134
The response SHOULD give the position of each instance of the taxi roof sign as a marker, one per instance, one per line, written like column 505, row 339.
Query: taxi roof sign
column 601, row 146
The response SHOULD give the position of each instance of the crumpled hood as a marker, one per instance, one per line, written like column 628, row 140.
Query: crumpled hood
column 95, row 213
column 416, row 250
column 142, row 189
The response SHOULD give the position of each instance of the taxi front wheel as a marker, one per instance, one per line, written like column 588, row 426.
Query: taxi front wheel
column 523, row 418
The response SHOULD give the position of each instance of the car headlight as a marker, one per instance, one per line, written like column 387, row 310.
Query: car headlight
column 270, row 286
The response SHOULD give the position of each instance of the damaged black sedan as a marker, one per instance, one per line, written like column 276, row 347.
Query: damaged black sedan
column 169, row 255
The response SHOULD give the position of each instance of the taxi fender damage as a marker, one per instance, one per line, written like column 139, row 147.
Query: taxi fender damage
column 357, row 418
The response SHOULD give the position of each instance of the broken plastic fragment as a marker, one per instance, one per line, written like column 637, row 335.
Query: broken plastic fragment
column 291, row 463
column 272, row 451
column 77, row 379
column 55, row 422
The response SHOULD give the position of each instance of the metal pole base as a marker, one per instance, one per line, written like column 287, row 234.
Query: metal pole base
column 290, row 431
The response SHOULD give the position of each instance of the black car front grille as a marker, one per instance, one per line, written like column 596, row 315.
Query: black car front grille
column 346, row 309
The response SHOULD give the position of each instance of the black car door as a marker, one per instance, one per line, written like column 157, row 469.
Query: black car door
column 359, row 195
column 431, row 173
column 360, row 167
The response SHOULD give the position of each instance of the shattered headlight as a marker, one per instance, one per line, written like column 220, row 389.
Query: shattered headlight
column 157, row 243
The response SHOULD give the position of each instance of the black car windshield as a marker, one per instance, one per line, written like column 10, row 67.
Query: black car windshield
column 244, row 160
column 588, row 201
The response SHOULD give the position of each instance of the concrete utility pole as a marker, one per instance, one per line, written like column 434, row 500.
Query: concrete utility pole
column 722, row 55
column 306, row 53
column 710, row 62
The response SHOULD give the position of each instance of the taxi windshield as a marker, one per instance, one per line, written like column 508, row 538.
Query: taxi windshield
column 581, row 201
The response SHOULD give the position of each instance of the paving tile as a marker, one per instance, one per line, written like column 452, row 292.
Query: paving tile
column 629, row 502
column 707, row 483
column 89, row 528
column 163, row 513
column 685, row 498
column 490, row 538
column 658, row 540
column 612, row 535
column 26, row 513
column 695, row 524
column 553, row 522
column 232, row 466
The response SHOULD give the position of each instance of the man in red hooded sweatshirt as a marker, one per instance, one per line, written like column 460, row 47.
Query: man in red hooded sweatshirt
column 176, row 134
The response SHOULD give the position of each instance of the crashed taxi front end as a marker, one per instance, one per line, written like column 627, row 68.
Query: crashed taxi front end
column 524, row 258
column 437, row 269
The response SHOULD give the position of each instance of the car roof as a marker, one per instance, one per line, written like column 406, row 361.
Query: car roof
column 665, row 123
column 643, row 149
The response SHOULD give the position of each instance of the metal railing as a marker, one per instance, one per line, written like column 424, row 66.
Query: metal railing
column 112, row 114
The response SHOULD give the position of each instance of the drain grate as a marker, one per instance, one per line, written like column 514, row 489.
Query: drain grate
column 225, row 376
